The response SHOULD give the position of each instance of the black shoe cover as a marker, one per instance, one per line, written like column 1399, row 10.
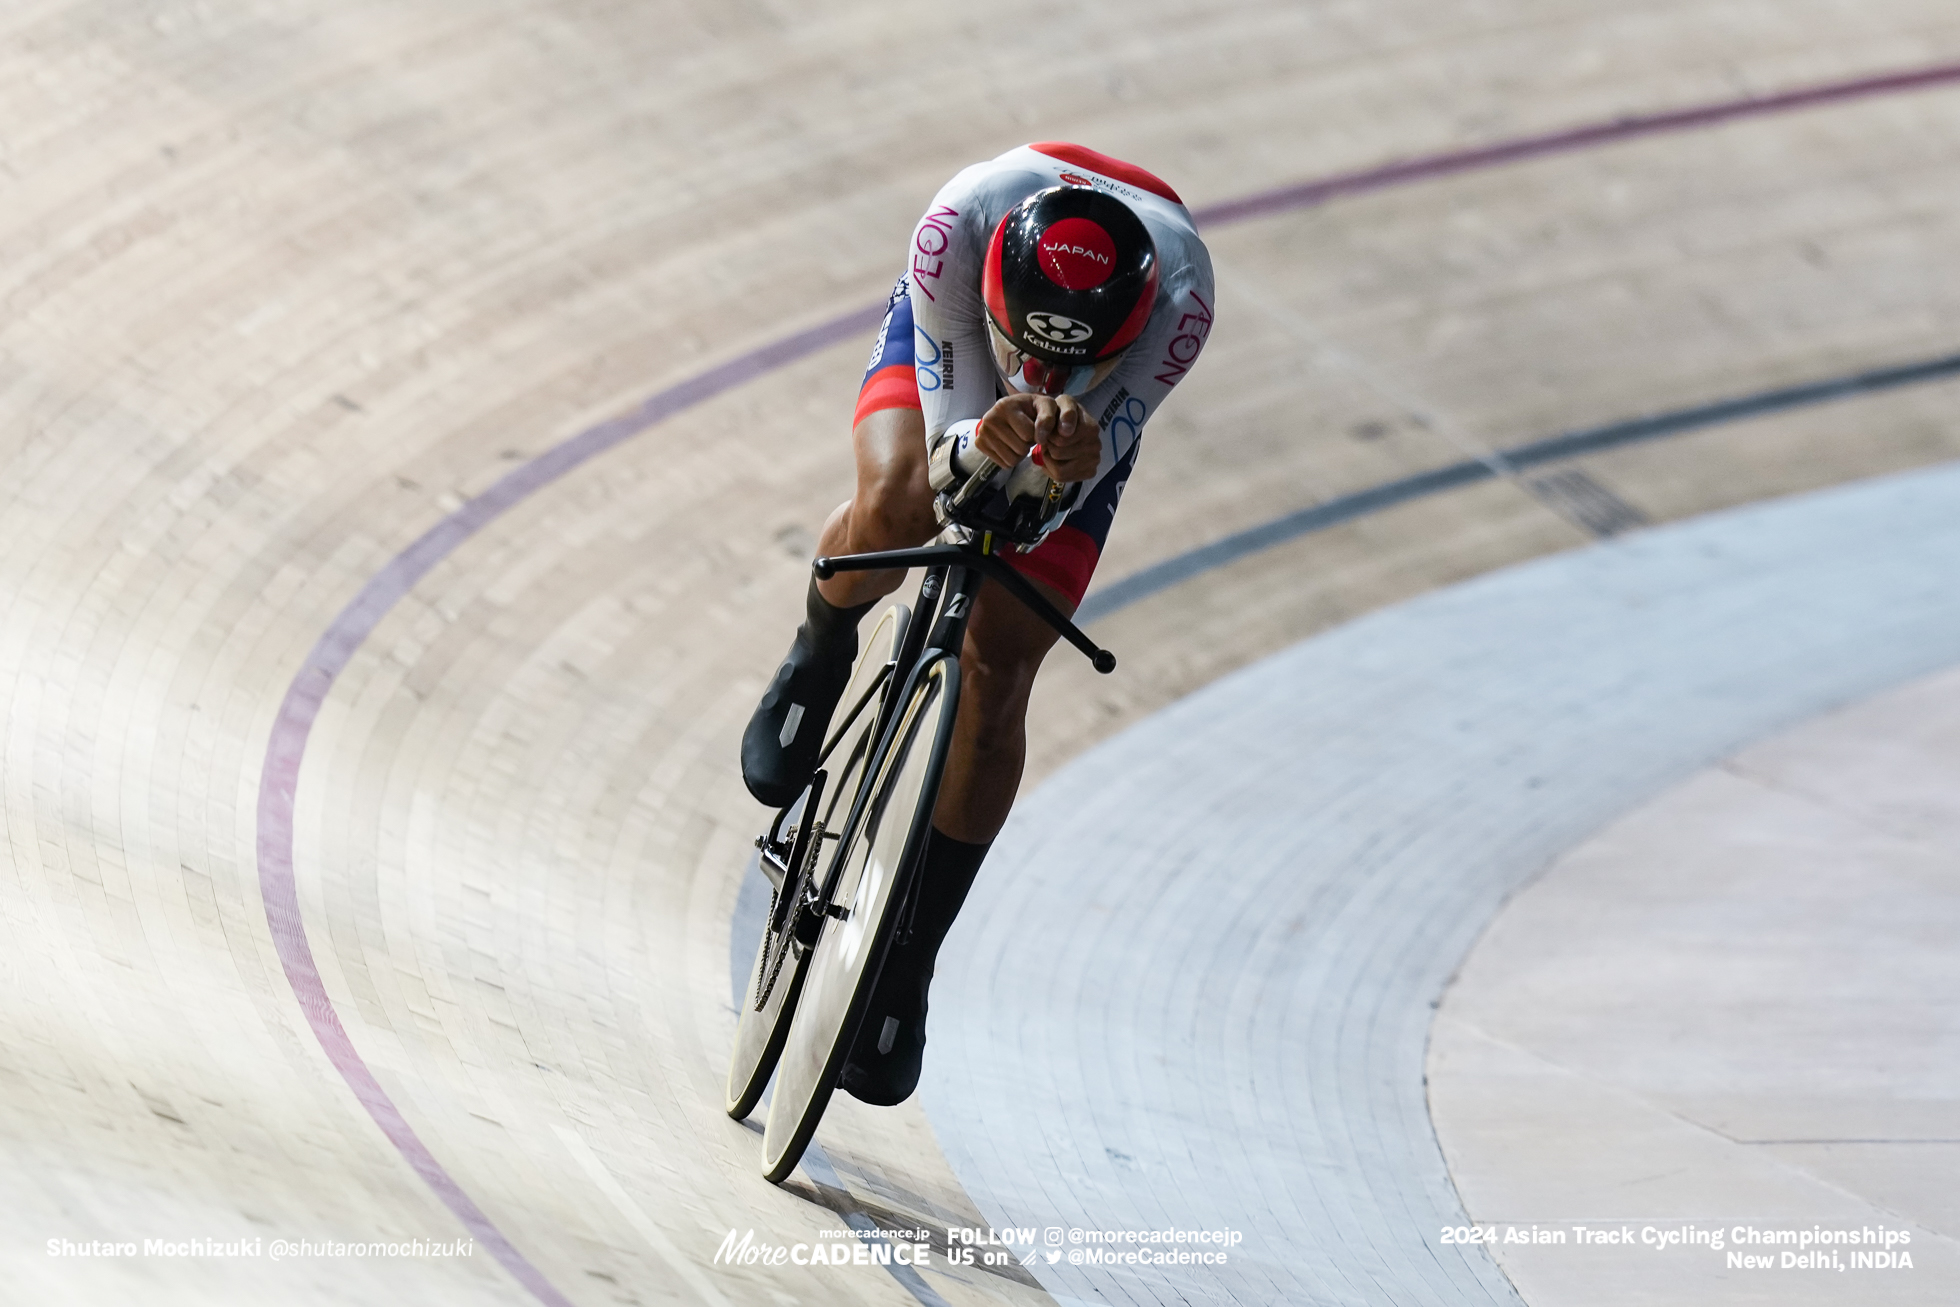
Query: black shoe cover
column 890, row 1048
column 891, row 1045
column 784, row 737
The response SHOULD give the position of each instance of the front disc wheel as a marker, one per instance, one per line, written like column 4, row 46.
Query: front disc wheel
column 881, row 853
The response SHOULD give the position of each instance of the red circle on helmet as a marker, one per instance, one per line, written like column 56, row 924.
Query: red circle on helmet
column 1077, row 254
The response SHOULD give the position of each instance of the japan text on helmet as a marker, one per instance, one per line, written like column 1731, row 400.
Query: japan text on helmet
column 1069, row 282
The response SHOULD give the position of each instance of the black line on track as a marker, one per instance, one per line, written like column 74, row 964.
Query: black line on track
column 1174, row 571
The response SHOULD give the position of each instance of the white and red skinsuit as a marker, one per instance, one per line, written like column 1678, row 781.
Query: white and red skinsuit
column 933, row 354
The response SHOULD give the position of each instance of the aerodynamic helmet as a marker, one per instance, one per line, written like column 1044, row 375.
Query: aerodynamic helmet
column 1069, row 282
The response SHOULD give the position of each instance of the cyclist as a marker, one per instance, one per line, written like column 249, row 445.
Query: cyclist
column 1054, row 297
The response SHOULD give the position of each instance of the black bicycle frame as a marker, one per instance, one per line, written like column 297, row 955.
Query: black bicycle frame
column 953, row 579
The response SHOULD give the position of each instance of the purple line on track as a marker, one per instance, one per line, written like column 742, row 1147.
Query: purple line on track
column 1307, row 194
column 279, row 782
column 286, row 749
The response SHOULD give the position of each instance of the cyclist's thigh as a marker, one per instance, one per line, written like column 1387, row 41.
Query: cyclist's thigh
column 1005, row 642
column 890, row 446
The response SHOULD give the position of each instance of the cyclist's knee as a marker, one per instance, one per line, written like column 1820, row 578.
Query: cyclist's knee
column 885, row 515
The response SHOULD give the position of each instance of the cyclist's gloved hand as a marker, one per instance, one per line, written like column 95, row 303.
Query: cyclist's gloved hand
column 1070, row 439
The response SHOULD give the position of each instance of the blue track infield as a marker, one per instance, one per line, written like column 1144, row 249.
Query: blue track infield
column 1119, row 594
column 1193, row 987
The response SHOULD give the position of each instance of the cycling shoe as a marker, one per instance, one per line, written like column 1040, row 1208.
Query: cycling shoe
column 890, row 1048
column 891, row 1045
column 784, row 737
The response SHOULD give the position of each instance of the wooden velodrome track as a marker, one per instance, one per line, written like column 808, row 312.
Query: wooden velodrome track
column 422, row 931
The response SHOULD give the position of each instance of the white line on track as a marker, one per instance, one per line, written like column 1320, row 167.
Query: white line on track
column 676, row 1260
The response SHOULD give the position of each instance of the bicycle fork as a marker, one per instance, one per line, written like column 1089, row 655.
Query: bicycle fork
column 958, row 586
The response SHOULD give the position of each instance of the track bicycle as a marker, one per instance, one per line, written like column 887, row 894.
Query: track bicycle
column 842, row 857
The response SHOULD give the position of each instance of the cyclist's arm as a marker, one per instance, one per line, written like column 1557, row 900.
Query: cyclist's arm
column 1162, row 356
column 949, row 346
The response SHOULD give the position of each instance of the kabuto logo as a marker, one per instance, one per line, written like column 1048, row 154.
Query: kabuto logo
column 1062, row 331
column 1077, row 179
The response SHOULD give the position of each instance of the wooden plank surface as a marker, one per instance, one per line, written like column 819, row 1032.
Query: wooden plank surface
column 286, row 284
column 1732, row 1008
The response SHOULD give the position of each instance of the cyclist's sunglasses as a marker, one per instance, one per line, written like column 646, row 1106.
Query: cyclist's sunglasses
column 1032, row 376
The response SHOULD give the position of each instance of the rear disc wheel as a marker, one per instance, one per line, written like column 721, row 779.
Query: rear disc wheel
column 775, row 981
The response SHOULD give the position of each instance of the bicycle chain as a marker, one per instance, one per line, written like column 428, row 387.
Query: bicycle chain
column 765, row 974
column 766, row 985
